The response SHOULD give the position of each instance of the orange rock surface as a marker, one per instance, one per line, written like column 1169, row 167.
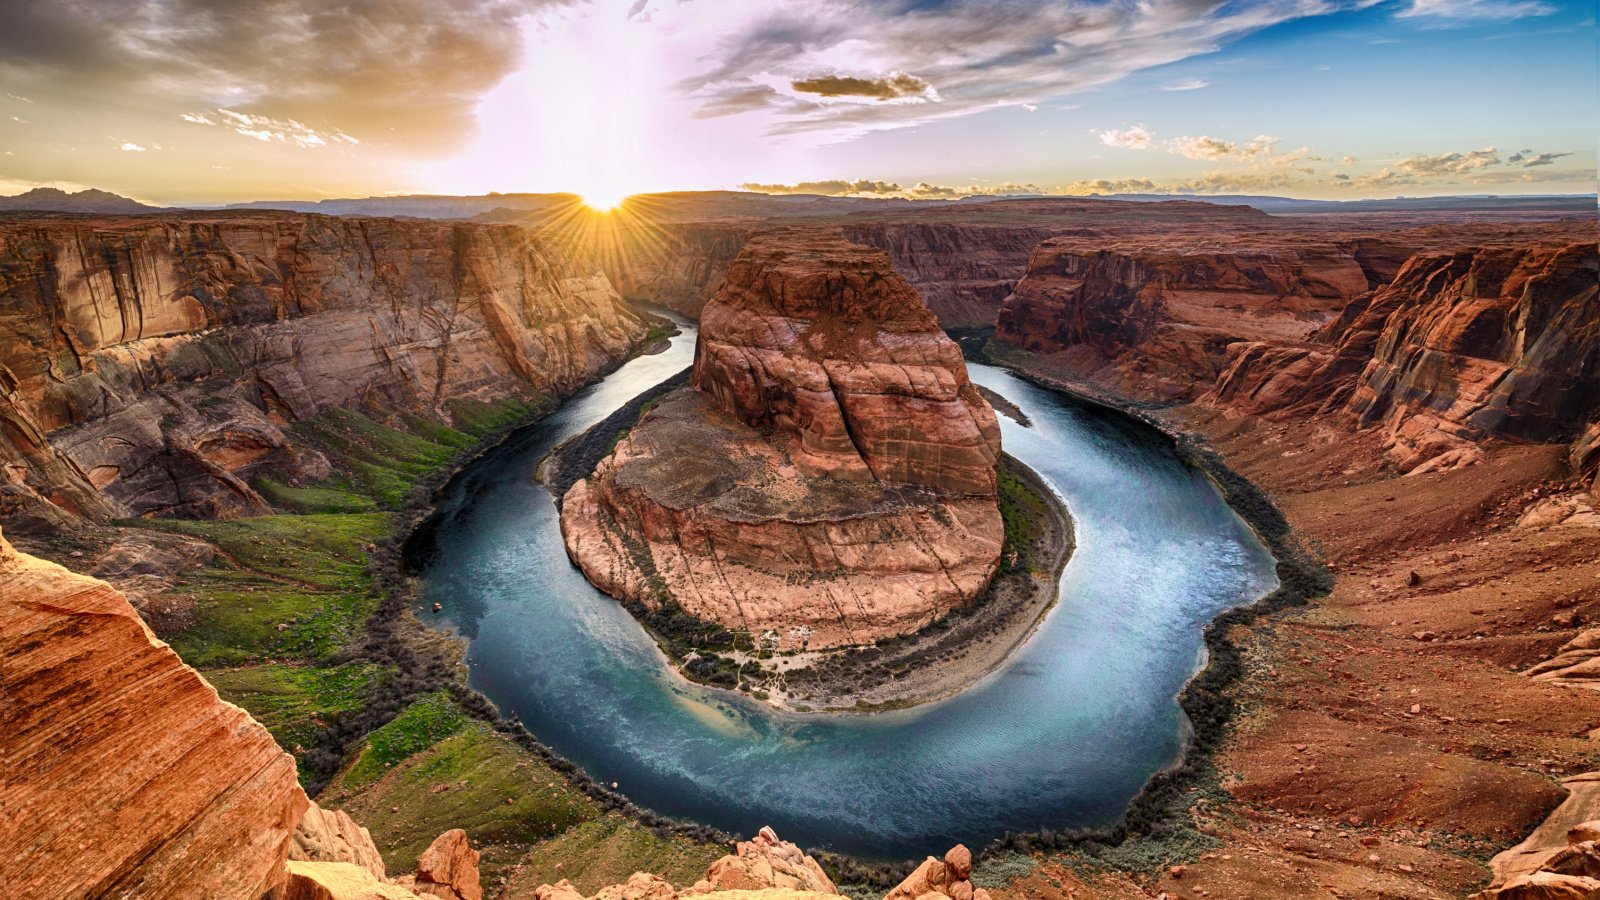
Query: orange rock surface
column 829, row 480
column 125, row 774
column 150, row 365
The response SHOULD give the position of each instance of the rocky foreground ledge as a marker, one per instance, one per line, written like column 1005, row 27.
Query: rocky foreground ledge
column 829, row 480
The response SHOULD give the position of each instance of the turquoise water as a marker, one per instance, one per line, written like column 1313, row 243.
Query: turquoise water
column 1064, row 735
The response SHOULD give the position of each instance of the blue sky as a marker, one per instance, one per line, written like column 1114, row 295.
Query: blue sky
column 188, row 100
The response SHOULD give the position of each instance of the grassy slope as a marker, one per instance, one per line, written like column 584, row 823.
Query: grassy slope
column 279, row 624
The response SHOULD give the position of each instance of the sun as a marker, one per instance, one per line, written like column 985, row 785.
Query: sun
column 603, row 200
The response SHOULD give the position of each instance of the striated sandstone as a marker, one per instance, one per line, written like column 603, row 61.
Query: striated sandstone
column 151, row 365
column 829, row 479
column 126, row 775
column 1151, row 317
column 330, row 835
column 1460, row 347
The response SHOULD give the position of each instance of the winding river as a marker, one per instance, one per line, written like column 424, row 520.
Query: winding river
column 1064, row 735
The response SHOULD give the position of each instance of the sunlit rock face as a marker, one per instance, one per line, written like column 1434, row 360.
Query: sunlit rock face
column 126, row 775
column 1151, row 317
column 1460, row 347
column 151, row 365
column 829, row 479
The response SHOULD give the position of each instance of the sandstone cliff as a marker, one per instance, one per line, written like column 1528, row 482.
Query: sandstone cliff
column 1151, row 317
column 963, row 271
column 830, row 478
column 127, row 776
column 1459, row 347
column 149, row 366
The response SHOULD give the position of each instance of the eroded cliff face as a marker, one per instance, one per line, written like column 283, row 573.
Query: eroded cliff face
column 125, row 774
column 150, row 366
column 1152, row 318
column 1463, row 346
column 963, row 271
column 829, row 479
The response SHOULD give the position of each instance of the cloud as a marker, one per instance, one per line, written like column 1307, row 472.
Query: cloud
column 1136, row 138
column 979, row 54
column 410, row 70
column 894, row 86
column 131, row 147
column 1492, row 10
column 1117, row 186
column 1543, row 159
column 266, row 128
column 889, row 189
column 1187, row 84
column 1209, row 148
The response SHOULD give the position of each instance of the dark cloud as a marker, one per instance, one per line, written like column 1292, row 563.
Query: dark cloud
column 889, row 87
column 1543, row 159
column 408, row 71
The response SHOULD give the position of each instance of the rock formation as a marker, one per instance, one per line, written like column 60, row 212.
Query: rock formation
column 941, row 879
column 765, row 862
column 829, row 479
column 1460, row 347
column 127, row 776
column 150, row 365
column 963, row 272
column 763, row 868
column 1150, row 316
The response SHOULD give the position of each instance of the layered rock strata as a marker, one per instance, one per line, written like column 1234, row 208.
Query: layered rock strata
column 151, row 365
column 128, row 776
column 1460, row 347
column 1151, row 316
column 830, row 477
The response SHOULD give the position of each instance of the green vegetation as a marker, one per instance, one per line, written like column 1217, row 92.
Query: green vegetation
column 606, row 850
column 475, row 779
column 297, row 702
column 418, row 727
column 1024, row 512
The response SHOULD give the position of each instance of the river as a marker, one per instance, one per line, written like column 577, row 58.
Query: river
column 1064, row 735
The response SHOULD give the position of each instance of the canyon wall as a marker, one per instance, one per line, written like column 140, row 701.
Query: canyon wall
column 1153, row 317
column 963, row 271
column 149, row 366
column 830, row 479
column 1461, row 346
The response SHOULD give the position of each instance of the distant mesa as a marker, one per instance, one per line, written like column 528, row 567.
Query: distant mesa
column 86, row 201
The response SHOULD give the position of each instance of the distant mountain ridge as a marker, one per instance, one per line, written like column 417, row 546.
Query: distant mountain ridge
column 46, row 199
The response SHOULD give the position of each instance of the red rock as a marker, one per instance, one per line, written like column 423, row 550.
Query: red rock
column 447, row 869
column 831, row 478
column 125, row 773
column 153, row 363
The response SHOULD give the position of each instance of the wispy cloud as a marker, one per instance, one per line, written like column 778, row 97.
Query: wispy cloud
column 131, row 147
column 267, row 128
column 1493, row 10
column 1209, row 148
column 1187, row 84
column 972, row 55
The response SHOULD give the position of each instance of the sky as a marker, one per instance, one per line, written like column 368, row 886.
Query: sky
column 205, row 101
